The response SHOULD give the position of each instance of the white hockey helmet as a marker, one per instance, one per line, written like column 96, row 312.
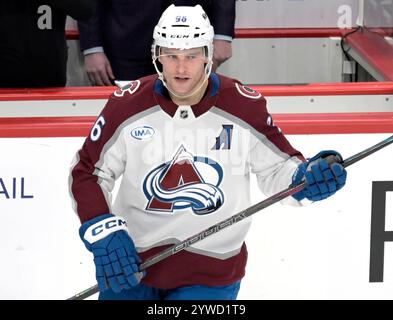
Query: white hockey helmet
column 182, row 27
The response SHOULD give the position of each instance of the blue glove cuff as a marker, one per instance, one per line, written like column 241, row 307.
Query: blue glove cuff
column 297, row 179
column 100, row 227
column 115, row 256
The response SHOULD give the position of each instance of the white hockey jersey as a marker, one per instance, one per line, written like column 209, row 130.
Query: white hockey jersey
column 183, row 169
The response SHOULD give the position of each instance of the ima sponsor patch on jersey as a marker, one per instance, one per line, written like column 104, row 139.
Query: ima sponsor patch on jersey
column 142, row 132
column 247, row 92
column 130, row 87
column 187, row 181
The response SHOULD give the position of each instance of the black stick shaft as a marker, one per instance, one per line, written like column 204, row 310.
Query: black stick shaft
column 365, row 153
column 236, row 218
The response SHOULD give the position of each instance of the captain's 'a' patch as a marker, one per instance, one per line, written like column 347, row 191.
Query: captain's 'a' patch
column 247, row 92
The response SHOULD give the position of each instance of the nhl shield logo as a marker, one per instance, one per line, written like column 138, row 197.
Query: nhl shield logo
column 184, row 114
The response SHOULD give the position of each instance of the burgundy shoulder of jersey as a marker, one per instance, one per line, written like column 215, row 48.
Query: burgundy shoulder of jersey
column 134, row 88
column 234, row 94
column 127, row 90
column 133, row 97
column 121, row 102
column 247, row 91
column 244, row 103
column 125, row 102
column 238, row 91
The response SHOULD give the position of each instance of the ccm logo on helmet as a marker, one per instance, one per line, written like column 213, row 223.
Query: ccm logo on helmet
column 109, row 224
column 178, row 36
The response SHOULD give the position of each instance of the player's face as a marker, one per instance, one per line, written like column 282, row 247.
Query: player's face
column 183, row 70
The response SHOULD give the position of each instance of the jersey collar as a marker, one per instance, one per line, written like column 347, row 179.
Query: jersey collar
column 165, row 102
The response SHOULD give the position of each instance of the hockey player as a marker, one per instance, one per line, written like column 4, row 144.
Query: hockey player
column 183, row 143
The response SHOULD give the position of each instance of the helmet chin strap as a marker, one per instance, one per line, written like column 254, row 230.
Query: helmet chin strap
column 206, row 77
column 187, row 95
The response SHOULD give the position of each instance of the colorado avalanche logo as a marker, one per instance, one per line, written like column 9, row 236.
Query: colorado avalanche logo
column 130, row 87
column 247, row 92
column 179, row 184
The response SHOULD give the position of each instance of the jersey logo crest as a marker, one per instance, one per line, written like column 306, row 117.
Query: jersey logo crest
column 130, row 87
column 184, row 182
column 247, row 92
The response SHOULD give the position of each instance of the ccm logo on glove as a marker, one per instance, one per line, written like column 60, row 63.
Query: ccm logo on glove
column 103, row 228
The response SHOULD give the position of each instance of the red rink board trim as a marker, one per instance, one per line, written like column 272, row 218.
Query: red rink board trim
column 61, row 93
column 93, row 93
column 268, row 33
column 335, row 123
column 290, row 32
column 375, row 50
column 45, row 127
column 326, row 89
column 308, row 123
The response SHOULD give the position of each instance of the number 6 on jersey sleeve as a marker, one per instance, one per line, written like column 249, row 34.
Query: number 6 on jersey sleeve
column 97, row 129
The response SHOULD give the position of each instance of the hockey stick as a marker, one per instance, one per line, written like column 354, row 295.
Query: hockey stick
column 236, row 218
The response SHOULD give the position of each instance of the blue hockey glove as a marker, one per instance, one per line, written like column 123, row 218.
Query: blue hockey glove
column 115, row 256
column 324, row 175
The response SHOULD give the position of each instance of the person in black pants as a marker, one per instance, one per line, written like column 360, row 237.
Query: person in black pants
column 33, row 49
column 116, row 40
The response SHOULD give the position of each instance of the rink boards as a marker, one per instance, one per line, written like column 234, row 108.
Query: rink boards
column 320, row 251
column 327, row 250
